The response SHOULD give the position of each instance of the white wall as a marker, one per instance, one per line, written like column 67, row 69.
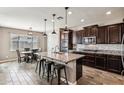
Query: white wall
column 5, row 52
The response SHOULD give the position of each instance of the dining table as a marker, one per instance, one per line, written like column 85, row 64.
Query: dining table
column 27, row 54
column 73, row 63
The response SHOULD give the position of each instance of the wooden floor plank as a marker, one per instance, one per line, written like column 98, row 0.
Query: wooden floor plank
column 21, row 78
column 13, row 73
column 14, row 78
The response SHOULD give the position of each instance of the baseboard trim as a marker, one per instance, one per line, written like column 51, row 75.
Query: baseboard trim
column 8, row 60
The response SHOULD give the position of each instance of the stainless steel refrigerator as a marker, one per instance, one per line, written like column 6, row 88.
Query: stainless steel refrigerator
column 122, row 54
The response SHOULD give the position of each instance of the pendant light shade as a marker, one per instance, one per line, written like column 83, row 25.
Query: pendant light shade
column 66, row 23
column 54, row 24
column 45, row 35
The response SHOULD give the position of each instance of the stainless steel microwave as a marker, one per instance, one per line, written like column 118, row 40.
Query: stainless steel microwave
column 89, row 40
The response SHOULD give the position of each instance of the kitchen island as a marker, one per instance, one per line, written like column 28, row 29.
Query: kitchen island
column 73, row 63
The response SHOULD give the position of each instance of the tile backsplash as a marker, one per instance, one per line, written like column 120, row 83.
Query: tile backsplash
column 116, row 47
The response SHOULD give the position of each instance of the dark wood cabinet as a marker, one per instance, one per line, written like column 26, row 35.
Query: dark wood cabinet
column 70, row 39
column 100, row 61
column 79, row 37
column 90, row 31
column 78, row 68
column 110, row 63
column 102, row 35
column 83, row 33
column 89, row 59
column 109, row 34
column 114, row 64
column 114, row 34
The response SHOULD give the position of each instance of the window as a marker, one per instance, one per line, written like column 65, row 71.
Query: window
column 23, row 41
column 14, row 39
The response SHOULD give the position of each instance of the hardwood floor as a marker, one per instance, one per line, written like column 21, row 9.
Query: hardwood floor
column 13, row 73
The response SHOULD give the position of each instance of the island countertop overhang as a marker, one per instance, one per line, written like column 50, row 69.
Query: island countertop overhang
column 62, row 57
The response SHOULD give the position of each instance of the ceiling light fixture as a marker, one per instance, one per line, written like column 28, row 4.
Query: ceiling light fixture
column 108, row 13
column 45, row 35
column 54, row 24
column 60, row 18
column 69, row 13
column 66, row 16
column 82, row 20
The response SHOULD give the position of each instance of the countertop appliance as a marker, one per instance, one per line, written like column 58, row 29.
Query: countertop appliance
column 89, row 40
column 122, row 54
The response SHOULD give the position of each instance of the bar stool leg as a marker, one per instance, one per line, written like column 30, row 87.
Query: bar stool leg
column 36, row 67
column 54, row 72
column 48, row 72
column 40, row 68
column 59, row 73
column 65, row 75
column 43, row 69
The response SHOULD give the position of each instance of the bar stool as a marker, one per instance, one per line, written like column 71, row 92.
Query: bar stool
column 40, row 63
column 59, row 68
column 47, row 69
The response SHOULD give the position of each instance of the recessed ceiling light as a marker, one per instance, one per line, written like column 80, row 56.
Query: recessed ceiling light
column 82, row 20
column 69, row 12
column 108, row 13
column 52, row 20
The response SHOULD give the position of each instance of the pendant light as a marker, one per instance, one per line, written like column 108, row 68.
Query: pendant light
column 45, row 35
column 54, row 24
column 66, row 16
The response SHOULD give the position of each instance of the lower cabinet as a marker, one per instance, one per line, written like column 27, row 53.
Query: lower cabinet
column 105, row 62
column 100, row 61
column 89, row 60
column 114, row 64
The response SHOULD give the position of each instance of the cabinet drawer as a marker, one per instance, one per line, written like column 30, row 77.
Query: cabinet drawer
column 111, row 57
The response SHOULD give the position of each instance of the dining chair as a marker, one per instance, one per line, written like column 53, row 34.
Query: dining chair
column 26, row 49
column 20, row 57
column 34, row 55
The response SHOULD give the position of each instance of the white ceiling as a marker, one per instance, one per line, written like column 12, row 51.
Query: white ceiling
column 25, row 17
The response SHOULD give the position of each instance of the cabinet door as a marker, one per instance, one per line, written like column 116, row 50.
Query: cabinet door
column 100, row 61
column 102, row 35
column 93, row 31
column 114, row 34
column 70, row 39
column 89, row 60
column 114, row 64
column 79, row 37
column 83, row 33
column 86, row 33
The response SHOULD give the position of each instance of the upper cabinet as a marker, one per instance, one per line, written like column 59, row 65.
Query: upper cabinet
column 109, row 34
column 79, row 36
column 102, row 35
column 90, row 31
column 114, row 34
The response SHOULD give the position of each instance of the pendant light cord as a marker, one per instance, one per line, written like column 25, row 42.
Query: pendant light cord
column 45, row 24
column 54, row 22
column 66, row 8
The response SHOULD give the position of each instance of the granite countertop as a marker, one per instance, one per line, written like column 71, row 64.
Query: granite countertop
column 61, row 56
column 106, row 52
